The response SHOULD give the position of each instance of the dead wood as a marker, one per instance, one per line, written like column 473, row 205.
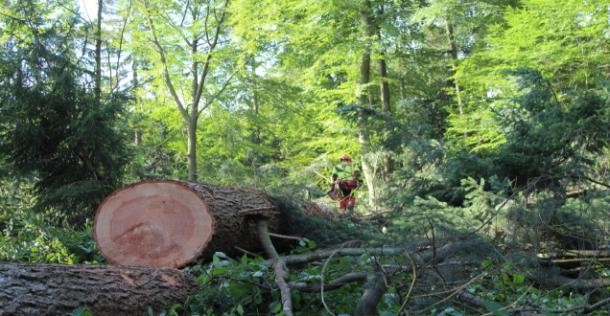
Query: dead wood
column 549, row 277
column 332, row 285
column 279, row 267
column 373, row 291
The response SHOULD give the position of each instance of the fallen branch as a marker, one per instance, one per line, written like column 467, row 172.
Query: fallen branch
column 575, row 254
column 547, row 277
column 279, row 266
column 332, row 285
column 325, row 253
column 420, row 259
column 597, row 305
column 586, row 308
column 286, row 236
column 373, row 291
column 470, row 299
column 458, row 290
column 413, row 280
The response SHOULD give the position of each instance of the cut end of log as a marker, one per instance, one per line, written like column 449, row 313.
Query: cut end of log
column 153, row 223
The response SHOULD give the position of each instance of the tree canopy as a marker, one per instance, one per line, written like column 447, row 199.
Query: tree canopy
column 486, row 121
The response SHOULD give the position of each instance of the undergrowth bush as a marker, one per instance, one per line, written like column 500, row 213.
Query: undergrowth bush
column 34, row 237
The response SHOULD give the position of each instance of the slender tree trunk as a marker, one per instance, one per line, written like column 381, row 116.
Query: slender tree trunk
column 98, row 51
column 384, row 91
column 384, row 86
column 365, row 78
column 366, row 98
column 192, row 124
column 454, row 60
column 192, row 146
column 137, row 133
column 255, row 133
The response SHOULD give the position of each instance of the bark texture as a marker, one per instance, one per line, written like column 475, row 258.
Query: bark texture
column 165, row 223
column 104, row 290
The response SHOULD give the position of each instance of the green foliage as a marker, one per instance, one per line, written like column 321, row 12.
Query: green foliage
column 505, row 288
column 51, row 125
column 226, row 286
column 565, row 44
column 549, row 138
column 27, row 236
column 322, row 231
column 424, row 216
column 499, row 109
column 246, row 287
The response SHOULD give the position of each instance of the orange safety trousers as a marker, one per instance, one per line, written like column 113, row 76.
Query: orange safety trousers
column 348, row 199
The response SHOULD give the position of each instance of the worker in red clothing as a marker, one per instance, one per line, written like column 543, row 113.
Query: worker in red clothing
column 345, row 179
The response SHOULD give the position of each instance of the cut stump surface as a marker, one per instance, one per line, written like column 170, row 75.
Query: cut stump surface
column 166, row 223
column 158, row 224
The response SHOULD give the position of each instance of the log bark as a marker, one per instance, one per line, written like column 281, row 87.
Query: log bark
column 105, row 290
column 165, row 223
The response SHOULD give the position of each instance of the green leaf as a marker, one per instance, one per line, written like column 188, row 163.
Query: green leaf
column 239, row 309
column 311, row 244
column 495, row 308
column 487, row 264
column 276, row 307
column 518, row 279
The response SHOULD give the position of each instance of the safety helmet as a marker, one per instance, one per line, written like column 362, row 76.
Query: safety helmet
column 345, row 157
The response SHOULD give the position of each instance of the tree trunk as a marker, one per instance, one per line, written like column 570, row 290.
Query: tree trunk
column 164, row 223
column 98, row 51
column 384, row 86
column 104, row 290
column 384, row 91
column 454, row 60
column 137, row 133
column 366, row 98
column 192, row 146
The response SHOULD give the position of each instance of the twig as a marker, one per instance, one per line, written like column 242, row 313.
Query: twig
column 511, row 304
column 420, row 259
column 285, row 236
column 586, row 308
column 413, row 279
column 325, row 253
column 332, row 285
column 597, row 305
column 250, row 253
column 455, row 292
column 322, row 277
column 597, row 182
column 279, row 266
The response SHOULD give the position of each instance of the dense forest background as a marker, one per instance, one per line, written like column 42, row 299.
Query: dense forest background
column 483, row 120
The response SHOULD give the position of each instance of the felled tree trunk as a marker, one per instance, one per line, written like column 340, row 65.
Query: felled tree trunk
column 104, row 290
column 165, row 223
